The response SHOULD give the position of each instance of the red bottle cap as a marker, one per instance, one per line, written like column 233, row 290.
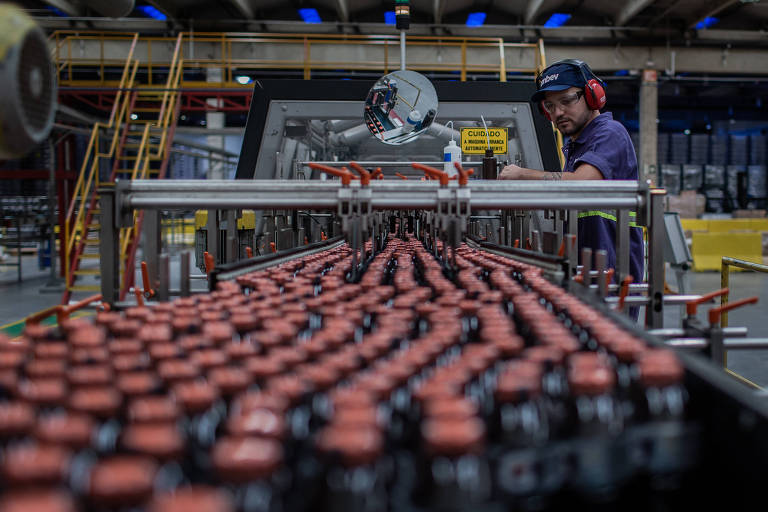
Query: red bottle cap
column 660, row 368
column 73, row 431
column 16, row 418
column 153, row 409
column 230, row 380
column 453, row 437
column 173, row 371
column 46, row 392
column 34, row 465
column 90, row 375
column 242, row 460
column 136, row 384
column 37, row 500
column 195, row 396
column 197, row 498
column 160, row 441
column 591, row 381
column 353, row 445
column 257, row 423
column 101, row 402
column 121, row 481
column 46, row 368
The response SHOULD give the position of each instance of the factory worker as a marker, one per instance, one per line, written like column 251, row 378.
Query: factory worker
column 596, row 148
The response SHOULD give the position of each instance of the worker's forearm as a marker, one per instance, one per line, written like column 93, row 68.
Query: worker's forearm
column 513, row 172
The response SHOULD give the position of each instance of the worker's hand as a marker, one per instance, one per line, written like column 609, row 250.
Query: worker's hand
column 512, row 172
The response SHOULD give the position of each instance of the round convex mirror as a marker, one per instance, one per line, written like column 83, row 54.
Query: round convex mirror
column 400, row 106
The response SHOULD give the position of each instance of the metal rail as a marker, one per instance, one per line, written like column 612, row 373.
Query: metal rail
column 387, row 194
column 130, row 196
column 725, row 266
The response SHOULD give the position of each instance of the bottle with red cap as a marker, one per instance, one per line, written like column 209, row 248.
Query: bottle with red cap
column 453, row 471
column 663, row 442
column 356, row 472
column 253, row 470
column 596, row 422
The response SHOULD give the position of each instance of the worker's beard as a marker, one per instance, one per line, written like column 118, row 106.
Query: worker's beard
column 569, row 125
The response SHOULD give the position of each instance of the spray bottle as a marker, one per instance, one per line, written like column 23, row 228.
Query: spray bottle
column 451, row 154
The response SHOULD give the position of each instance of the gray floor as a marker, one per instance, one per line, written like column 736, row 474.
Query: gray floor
column 752, row 364
column 20, row 299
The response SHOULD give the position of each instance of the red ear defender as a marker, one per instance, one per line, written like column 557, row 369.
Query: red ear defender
column 594, row 94
column 544, row 111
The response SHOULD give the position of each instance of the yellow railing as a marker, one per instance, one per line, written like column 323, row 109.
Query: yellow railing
column 235, row 53
column 144, row 154
column 88, row 178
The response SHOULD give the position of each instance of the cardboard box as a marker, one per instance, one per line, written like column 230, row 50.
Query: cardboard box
column 748, row 214
column 688, row 204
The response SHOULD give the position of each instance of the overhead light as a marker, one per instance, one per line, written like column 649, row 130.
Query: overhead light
column 243, row 79
column 389, row 17
column 151, row 12
column 558, row 19
column 475, row 19
column 134, row 116
column 687, row 131
column 57, row 11
column 706, row 22
column 310, row 15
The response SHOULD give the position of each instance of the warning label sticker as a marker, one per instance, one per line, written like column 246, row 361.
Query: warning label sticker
column 474, row 141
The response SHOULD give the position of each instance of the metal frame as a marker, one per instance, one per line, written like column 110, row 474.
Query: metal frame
column 334, row 98
column 131, row 196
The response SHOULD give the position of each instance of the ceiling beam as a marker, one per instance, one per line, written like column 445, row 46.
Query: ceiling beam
column 342, row 9
column 533, row 10
column 710, row 8
column 244, row 7
column 630, row 10
column 65, row 7
column 437, row 11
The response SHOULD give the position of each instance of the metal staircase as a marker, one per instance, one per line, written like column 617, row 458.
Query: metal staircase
column 140, row 130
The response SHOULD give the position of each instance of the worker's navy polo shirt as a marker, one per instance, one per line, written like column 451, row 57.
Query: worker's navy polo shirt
column 605, row 144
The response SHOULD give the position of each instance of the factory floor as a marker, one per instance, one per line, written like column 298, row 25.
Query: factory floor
column 18, row 300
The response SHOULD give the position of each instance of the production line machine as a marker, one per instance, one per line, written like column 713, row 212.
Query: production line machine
column 391, row 346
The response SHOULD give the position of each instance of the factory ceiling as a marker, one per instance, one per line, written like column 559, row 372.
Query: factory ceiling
column 693, row 22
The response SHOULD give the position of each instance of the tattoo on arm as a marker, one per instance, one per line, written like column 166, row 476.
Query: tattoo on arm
column 553, row 176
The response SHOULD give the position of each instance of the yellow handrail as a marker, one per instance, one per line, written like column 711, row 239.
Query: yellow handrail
column 145, row 155
column 230, row 51
column 87, row 179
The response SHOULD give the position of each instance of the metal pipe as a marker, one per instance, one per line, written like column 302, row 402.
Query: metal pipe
column 689, row 343
column 384, row 163
column 387, row 194
column 728, row 344
column 184, row 280
column 676, row 332
column 164, row 277
column 745, row 343
column 672, row 300
column 402, row 50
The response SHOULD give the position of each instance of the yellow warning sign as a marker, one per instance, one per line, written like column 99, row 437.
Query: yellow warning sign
column 474, row 141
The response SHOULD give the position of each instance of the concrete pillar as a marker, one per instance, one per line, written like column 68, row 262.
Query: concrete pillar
column 649, row 108
column 213, row 121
